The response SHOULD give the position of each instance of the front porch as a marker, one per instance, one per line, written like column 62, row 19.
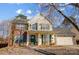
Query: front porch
column 39, row 38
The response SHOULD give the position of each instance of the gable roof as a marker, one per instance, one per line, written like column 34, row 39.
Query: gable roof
column 63, row 31
column 40, row 16
column 46, row 18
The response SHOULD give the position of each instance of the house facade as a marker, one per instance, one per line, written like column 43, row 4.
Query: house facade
column 40, row 32
column 37, row 31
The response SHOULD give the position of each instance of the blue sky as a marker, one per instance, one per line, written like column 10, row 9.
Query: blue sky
column 8, row 11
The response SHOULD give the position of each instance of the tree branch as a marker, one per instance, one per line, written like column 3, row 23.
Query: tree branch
column 66, row 18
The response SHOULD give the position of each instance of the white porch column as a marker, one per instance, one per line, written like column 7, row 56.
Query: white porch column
column 28, row 38
column 48, row 39
column 39, row 39
column 53, row 39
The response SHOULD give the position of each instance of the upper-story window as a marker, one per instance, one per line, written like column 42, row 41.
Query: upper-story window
column 34, row 26
column 44, row 27
column 20, row 26
column 40, row 26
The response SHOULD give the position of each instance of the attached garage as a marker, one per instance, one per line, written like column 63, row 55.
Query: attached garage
column 64, row 40
column 64, row 36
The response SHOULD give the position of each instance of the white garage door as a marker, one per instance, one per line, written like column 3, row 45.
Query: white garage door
column 64, row 41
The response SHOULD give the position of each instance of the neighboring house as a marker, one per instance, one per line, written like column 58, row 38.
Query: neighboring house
column 39, row 31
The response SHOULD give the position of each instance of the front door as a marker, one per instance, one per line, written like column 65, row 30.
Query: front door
column 32, row 39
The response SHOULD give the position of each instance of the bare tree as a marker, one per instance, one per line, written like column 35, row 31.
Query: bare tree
column 55, row 6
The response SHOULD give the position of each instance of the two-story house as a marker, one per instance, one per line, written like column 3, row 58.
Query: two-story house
column 39, row 31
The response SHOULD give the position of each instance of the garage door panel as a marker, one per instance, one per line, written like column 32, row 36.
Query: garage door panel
column 64, row 41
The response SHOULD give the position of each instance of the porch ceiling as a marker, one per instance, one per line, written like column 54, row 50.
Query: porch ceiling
column 40, row 32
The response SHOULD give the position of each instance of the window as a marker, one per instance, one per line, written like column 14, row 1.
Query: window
column 44, row 27
column 20, row 26
column 34, row 26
